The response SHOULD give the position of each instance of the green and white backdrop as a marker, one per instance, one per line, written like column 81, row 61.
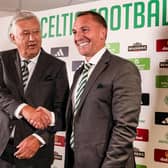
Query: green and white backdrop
column 138, row 31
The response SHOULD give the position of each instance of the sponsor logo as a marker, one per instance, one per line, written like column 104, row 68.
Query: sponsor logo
column 141, row 63
column 76, row 64
column 137, row 47
column 162, row 45
column 140, row 166
column 162, row 81
column 113, row 47
column 142, row 135
column 165, row 141
column 59, row 140
column 57, row 156
column 163, row 64
column 145, row 99
column 161, row 118
column 161, row 155
column 60, row 51
column 138, row 153
column 141, row 121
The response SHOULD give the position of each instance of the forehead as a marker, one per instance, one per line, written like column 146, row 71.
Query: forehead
column 30, row 23
column 85, row 20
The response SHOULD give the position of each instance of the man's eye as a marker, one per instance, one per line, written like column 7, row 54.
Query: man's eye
column 36, row 32
column 85, row 29
column 26, row 33
column 74, row 32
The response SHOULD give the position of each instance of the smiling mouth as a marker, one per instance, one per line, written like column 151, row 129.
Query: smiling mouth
column 82, row 44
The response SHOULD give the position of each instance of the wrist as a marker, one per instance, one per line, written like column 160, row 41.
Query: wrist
column 26, row 110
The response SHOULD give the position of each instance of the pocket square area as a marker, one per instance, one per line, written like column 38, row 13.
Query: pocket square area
column 100, row 85
column 48, row 78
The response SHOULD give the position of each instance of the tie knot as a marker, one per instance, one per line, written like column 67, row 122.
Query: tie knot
column 87, row 66
column 26, row 62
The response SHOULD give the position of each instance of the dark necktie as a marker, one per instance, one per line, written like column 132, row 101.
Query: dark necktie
column 25, row 72
column 79, row 91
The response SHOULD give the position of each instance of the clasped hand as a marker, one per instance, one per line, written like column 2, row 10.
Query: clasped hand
column 39, row 118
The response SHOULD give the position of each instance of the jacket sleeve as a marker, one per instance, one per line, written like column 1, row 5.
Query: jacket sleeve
column 8, row 103
column 125, row 111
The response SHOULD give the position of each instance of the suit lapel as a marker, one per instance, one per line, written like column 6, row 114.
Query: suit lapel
column 76, row 76
column 69, row 104
column 39, row 70
column 18, row 66
column 14, row 64
column 102, row 64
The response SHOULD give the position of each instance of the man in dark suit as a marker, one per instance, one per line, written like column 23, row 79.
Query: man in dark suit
column 33, row 95
column 101, row 116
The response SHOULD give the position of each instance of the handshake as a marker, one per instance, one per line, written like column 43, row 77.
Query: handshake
column 39, row 118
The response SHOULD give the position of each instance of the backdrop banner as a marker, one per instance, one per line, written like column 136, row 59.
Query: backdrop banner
column 138, row 31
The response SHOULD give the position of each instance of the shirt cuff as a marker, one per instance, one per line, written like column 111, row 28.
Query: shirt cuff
column 40, row 139
column 18, row 110
column 52, row 119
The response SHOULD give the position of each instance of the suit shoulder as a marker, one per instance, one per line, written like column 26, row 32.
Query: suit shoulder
column 6, row 55
column 7, row 52
column 118, row 62
column 121, row 60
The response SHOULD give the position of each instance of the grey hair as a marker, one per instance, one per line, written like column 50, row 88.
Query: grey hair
column 21, row 15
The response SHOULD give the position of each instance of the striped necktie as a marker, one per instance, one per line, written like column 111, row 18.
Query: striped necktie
column 79, row 91
column 25, row 72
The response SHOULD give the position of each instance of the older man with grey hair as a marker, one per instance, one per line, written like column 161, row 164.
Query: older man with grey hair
column 33, row 94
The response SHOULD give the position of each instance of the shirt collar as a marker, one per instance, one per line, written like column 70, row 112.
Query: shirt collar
column 34, row 59
column 95, row 59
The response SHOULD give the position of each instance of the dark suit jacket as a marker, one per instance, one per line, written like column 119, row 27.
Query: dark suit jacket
column 48, row 87
column 105, row 124
column 4, row 131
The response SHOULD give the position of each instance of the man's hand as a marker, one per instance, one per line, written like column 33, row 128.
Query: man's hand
column 39, row 118
column 42, row 111
column 27, row 148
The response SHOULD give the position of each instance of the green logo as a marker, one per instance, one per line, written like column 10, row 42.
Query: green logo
column 113, row 47
column 141, row 166
column 161, row 81
column 141, row 63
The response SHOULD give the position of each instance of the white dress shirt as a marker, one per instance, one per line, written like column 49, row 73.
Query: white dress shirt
column 94, row 61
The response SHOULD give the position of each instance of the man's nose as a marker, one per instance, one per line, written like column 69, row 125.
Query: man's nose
column 78, row 35
column 31, row 36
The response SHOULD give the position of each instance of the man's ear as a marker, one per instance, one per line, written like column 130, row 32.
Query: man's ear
column 103, row 34
column 12, row 37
